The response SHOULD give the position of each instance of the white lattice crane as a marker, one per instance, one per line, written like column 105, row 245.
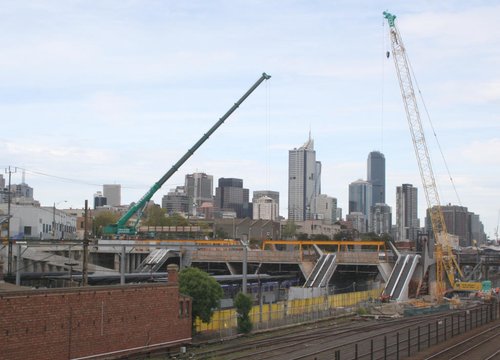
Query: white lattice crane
column 445, row 260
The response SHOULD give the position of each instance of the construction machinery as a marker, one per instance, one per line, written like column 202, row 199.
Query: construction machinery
column 122, row 225
column 444, row 257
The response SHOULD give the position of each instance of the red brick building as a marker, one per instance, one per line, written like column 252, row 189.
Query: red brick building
column 93, row 322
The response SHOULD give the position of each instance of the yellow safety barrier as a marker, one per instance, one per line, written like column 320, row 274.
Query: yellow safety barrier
column 226, row 319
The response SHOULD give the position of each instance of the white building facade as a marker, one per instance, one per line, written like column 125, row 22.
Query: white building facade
column 40, row 223
column 265, row 208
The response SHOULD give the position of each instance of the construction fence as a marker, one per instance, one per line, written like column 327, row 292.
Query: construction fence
column 267, row 316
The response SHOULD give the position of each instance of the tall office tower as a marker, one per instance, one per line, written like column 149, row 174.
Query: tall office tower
column 99, row 200
column 360, row 197
column 176, row 201
column 199, row 188
column 407, row 222
column 381, row 219
column 326, row 208
column 230, row 194
column 265, row 208
column 113, row 194
column 304, row 181
column 376, row 176
column 2, row 182
column 456, row 219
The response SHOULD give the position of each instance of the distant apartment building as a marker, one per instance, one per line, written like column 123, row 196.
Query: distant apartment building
column 199, row 188
column 2, row 182
column 326, row 208
column 381, row 219
column 112, row 192
column 265, row 208
column 176, row 201
column 304, row 181
column 275, row 195
column 407, row 222
column 358, row 221
column 230, row 194
column 376, row 176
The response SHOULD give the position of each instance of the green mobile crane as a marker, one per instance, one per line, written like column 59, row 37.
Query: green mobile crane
column 122, row 226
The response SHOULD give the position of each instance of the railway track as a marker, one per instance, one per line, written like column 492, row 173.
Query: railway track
column 483, row 344
column 308, row 342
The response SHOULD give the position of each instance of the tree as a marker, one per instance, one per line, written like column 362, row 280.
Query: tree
column 289, row 230
column 243, row 304
column 205, row 291
column 155, row 216
column 176, row 219
column 102, row 219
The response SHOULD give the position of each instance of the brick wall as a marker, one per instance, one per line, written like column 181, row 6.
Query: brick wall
column 91, row 322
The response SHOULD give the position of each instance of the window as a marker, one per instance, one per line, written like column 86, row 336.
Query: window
column 27, row 231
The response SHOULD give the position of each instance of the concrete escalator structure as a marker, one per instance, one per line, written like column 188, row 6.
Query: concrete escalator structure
column 155, row 260
column 322, row 272
column 397, row 287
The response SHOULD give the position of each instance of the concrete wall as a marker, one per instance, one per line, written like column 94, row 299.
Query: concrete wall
column 92, row 322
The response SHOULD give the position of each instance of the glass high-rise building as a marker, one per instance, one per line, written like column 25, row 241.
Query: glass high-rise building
column 407, row 222
column 360, row 198
column 230, row 194
column 376, row 176
column 304, row 181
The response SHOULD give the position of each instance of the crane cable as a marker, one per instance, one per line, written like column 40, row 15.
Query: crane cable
column 384, row 46
column 268, row 133
column 434, row 131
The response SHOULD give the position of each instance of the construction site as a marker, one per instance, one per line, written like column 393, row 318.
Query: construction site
column 118, row 296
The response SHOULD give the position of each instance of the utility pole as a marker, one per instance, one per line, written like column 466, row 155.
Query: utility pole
column 85, row 273
column 9, row 240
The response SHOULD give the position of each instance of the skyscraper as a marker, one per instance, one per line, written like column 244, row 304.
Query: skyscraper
column 230, row 194
column 113, row 194
column 304, row 181
column 326, row 208
column 360, row 197
column 380, row 219
column 199, row 189
column 376, row 176
column 407, row 222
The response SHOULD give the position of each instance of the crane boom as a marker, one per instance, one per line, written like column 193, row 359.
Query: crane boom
column 121, row 225
column 445, row 260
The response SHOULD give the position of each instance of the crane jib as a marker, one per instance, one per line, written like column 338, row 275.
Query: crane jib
column 121, row 225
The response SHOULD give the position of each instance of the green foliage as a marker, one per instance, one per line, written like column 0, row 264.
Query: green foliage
column 302, row 236
column 205, row 291
column 155, row 216
column 176, row 219
column 102, row 219
column 289, row 230
column 243, row 304
column 362, row 311
column 221, row 234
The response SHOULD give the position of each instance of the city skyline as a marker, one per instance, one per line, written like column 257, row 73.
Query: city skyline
column 116, row 92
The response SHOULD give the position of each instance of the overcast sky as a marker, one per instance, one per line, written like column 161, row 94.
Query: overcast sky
column 103, row 92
